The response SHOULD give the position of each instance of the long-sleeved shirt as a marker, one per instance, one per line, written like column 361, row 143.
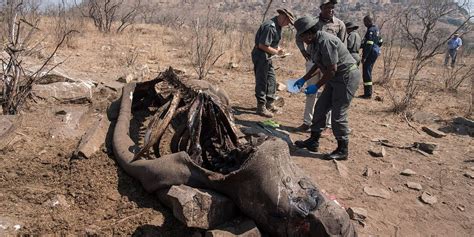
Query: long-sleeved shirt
column 353, row 45
column 371, row 39
column 333, row 26
column 454, row 43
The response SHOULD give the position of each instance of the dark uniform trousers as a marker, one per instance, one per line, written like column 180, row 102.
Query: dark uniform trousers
column 367, row 67
column 337, row 95
column 265, row 81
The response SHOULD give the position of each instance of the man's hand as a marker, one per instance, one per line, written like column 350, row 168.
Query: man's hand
column 311, row 89
column 299, row 83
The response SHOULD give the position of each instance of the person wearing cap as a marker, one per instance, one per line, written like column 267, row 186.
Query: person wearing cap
column 353, row 41
column 329, row 23
column 453, row 46
column 340, row 78
column 370, row 52
column 267, row 44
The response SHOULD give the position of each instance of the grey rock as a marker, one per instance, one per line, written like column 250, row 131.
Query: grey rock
column 469, row 174
column 64, row 91
column 424, row 117
column 114, row 85
column 433, row 132
column 126, row 79
column 238, row 227
column 408, row 172
column 377, row 192
column 368, row 172
column 378, row 152
column 428, row 198
column 68, row 125
column 342, row 169
column 357, row 213
column 426, row 147
column 200, row 208
column 415, row 186
column 93, row 139
column 281, row 87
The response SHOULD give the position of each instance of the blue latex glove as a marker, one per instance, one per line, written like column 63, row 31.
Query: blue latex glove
column 311, row 89
column 299, row 83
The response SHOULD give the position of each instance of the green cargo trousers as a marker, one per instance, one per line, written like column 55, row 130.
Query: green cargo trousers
column 265, row 81
column 337, row 96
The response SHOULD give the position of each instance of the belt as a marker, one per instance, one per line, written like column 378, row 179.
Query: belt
column 346, row 69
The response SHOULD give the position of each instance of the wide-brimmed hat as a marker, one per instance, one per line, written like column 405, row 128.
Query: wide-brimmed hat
column 303, row 24
column 351, row 25
column 328, row 1
column 288, row 14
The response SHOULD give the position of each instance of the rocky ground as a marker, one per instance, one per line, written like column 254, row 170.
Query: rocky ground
column 404, row 193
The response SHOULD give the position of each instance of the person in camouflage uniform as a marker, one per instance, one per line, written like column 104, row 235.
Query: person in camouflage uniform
column 267, row 42
column 353, row 41
column 327, row 22
column 340, row 78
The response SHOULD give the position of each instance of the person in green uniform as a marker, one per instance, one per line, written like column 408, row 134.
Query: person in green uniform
column 267, row 42
column 327, row 22
column 354, row 41
column 341, row 79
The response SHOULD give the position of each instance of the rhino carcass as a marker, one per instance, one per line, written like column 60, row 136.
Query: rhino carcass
column 202, row 150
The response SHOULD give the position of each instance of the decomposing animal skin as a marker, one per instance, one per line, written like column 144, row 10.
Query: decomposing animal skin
column 205, row 152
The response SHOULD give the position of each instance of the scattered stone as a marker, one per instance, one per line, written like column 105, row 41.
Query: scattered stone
column 408, row 172
column 7, row 134
column 114, row 85
column 6, row 124
column 68, row 126
column 126, row 79
column 93, row 139
column 64, row 91
column 426, row 147
column 241, row 227
column 420, row 152
column 342, row 169
column 232, row 65
column 424, row 117
column 469, row 174
column 428, row 198
column 199, row 208
column 433, row 132
column 357, row 213
column 58, row 201
column 377, row 192
column 415, row 186
column 368, row 172
column 377, row 152
column 461, row 208
column 378, row 98
column 464, row 121
column 281, row 87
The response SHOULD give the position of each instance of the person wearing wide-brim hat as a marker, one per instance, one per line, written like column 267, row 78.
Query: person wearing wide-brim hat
column 328, row 22
column 267, row 42
column 453, row 46
column 353, row 41
column 341, row 79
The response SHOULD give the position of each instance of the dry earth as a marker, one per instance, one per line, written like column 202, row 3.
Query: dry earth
column 43, row 191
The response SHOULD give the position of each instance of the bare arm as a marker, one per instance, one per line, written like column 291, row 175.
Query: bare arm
column 270, row 50
column 328, row 74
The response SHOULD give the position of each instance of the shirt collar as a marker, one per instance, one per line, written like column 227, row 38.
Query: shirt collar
column 326, row 20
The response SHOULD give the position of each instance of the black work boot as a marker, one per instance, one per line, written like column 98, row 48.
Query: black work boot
column 367, row 92
column 312, row 143
column 341, row 152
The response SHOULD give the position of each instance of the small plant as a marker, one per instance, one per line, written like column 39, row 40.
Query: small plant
column 455, row 77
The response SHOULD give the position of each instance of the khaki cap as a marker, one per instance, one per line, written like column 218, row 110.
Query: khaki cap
column 287, row 13
column 328, row 1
